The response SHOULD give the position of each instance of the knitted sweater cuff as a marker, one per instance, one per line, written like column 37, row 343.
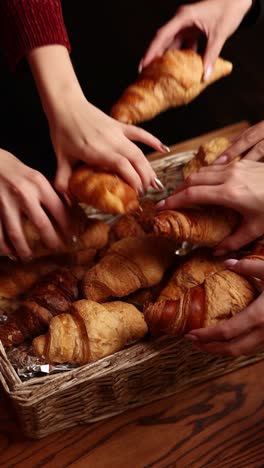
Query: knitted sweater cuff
column 27, row 24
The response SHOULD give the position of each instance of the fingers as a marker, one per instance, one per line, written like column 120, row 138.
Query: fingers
column 249, row 138
column 12, row 221
column 138, row 134
column 213, row 49
column 63, row 175
column 246, row 233
column 5, row 250
column 125, row 169
column 164, row 38
column 240, row 324
column 206, row 178
column 209, row 195
column 248, row 267
column 245, row 345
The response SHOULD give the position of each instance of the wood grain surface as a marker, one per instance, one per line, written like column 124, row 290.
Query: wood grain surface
column 219, row 424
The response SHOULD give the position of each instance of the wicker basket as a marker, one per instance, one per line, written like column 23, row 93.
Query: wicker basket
column 142, row 373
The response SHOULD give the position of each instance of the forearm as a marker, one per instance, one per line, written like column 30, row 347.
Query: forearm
column 27, row 24
column 54, row 77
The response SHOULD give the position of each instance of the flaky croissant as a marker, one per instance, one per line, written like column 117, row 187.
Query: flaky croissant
column 172, row 80
column 218, row 298
column 206, row 155
column 92, row 234
column 129, row 264
column 91, row 332
column 190, row 273
column 102, row 190
column 53, row 295
column 206, row 226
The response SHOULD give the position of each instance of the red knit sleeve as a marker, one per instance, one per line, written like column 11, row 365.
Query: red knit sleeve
column 27, row 24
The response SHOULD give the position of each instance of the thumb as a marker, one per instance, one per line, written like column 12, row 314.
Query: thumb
column 248, row 267
column 62, row 177
column 242, row 236
column 213, row 49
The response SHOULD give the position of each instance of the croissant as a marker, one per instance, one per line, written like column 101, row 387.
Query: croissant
column 206, row 155
column 128, row 265
column 53, row 295
column 91, row 332
column 190, row 273
column 103, row 191
column 218, row 298
column 205, row 226
column 93, row 235
column 172, row 80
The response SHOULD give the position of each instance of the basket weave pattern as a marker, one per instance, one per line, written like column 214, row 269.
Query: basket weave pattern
column 142, row 373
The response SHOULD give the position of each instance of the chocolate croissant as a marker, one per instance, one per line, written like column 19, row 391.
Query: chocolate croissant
column 172, row 80
column 129, row 264
column 53, row 295
column 104, row 191
column 91, row 332
column 218, row 298
column 206, row 226
column 206, row 155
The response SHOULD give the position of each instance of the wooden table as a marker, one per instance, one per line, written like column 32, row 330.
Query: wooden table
column 217, row 424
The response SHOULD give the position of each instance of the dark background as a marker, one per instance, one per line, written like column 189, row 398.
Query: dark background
column 108, row 39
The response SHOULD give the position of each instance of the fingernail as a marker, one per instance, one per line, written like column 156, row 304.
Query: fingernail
column 165, row 148
column 231, row 262
column 159, row 183
column 141, row 192
column 191, row 337
column 74, row 239
column 12, row 257
column 219, row 253
column 160, row 205
column 207, row 73
column 222, row 160
column 140, row 67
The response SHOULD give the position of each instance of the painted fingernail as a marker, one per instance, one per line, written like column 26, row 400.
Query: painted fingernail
column 231, row 262
column 222, row 160
column 219, row 253
column 140, row 67
column 159, row 183
column 165, row 148
column 207, row 73
column 74, row 239
column 141, row 192
column 12, row 257
column 191, row 337
column 160, row 204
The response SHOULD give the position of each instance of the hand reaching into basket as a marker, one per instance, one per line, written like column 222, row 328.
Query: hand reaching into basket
column 238, row 185
column 26, row 192
column 214, row 19
column 242, row 334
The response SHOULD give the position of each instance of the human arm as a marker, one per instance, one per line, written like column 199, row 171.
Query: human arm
column 238, row 185
column 243, row 334
column 25, row 192
column 215, row 20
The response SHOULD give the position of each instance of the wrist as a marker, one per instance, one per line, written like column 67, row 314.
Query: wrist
column 55, row 78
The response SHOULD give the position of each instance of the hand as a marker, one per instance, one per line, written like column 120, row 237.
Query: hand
column 26, row 192
column 250, row 145
column 243, row 334
column 80, row 131
column 214, row 19
column 238, row 185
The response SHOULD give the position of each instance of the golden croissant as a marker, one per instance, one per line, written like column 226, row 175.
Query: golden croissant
column 218, row 298
column 90, row 332
column 206, row 155
column 129, row 264
column 205, row 226
column 190, row 273
column 172, row 80
column 103, row 191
